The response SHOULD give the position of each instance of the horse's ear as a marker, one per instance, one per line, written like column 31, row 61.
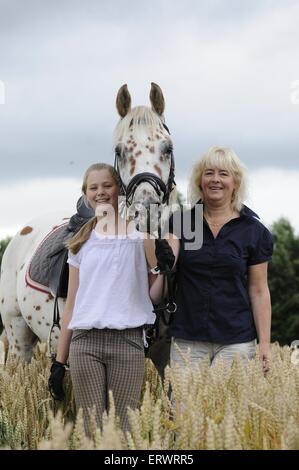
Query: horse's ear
column 123, row 101
column 157, row 99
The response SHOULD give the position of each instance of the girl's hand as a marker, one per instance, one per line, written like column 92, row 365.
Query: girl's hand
column 164, row 255
column 55, row 382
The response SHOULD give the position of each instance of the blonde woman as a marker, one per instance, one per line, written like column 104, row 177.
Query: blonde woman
column 107, row 306
column 222, row 295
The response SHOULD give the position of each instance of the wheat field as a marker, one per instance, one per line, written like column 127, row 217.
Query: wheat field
column 222, row 407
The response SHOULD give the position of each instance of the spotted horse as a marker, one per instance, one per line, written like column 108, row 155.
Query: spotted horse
column 144, row 161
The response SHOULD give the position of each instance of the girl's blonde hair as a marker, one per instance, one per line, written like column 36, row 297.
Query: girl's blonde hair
column 76, row 242
column 225, row 159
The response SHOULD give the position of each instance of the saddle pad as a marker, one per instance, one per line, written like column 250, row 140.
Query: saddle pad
column 38, row 272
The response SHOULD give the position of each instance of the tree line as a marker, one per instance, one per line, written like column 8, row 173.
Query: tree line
column 283, row 281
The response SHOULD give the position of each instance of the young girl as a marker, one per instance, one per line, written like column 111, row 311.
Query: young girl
column 107, row 306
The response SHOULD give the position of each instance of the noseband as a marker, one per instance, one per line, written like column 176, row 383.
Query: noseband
column 147, row 177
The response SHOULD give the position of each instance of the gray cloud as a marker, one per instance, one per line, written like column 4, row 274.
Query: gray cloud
column 225, row 69
column 16, row 16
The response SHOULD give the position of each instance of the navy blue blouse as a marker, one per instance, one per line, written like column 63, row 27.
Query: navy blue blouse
column 212, row 294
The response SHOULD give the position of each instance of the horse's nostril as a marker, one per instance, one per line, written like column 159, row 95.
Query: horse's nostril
column 136, row 214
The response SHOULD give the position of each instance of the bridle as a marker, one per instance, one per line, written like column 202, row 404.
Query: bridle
column 147, row 177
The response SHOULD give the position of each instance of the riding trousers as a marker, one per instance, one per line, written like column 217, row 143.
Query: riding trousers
column 103, row 360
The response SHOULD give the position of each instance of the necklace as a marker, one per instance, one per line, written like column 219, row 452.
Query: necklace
column 213, row 224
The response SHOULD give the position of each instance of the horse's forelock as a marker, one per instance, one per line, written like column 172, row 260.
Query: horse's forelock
column 136, row 121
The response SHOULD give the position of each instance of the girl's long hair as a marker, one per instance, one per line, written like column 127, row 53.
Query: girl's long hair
column 76, row 242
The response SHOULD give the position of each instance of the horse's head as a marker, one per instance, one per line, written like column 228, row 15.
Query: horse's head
column 143, row 152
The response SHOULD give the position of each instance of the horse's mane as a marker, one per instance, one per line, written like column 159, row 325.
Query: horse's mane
column 133, row 123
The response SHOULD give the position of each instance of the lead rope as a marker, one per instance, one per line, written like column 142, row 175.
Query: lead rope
column 169, row 305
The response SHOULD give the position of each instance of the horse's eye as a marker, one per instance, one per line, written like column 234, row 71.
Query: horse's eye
column 166, row 149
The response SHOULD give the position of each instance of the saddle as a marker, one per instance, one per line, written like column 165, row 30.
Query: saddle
column 48, row 270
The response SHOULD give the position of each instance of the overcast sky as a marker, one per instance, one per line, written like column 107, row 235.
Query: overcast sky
column 226, row 68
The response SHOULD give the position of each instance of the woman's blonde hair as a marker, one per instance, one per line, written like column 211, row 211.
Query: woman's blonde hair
column 76, row 242
column 225, row 159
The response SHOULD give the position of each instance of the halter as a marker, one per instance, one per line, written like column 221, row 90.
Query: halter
column 147, row 177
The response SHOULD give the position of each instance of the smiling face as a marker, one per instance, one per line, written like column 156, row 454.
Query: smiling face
column 102, row 190
column 217, row 185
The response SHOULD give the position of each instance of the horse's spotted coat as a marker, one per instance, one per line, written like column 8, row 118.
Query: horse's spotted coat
column 27, row 314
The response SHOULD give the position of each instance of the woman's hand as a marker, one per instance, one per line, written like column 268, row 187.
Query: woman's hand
column 265, row 356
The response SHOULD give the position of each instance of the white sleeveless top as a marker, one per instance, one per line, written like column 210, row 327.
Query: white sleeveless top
column 113, row 287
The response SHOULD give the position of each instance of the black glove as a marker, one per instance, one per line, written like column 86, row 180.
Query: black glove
column 164, row 255
column 55, row 381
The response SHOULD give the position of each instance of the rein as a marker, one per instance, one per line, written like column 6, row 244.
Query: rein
column 164, row 313
column 168, row 303
column 165, row 309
